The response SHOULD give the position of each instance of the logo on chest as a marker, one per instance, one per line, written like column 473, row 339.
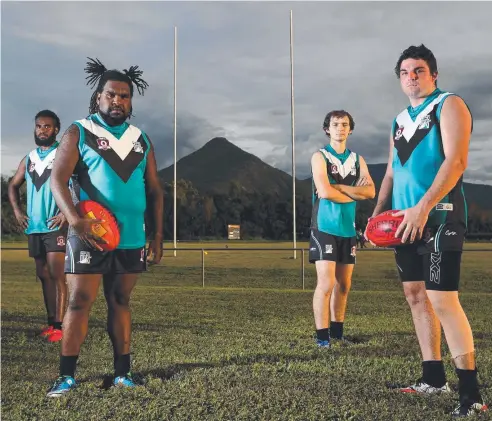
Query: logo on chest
column 399, row 133
column 425, row 123
column 137, row 147
column 103, row 143
column 32, row 167
column 342, row 172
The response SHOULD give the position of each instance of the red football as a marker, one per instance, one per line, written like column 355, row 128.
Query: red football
column 108, row 230
column 382, row 228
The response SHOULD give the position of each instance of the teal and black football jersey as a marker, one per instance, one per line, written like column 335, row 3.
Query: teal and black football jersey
column 331, row 217
column 111, row 171
column 41, row 204
column 417, row 156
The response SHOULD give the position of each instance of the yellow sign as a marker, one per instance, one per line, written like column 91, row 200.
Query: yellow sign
column 234, row 232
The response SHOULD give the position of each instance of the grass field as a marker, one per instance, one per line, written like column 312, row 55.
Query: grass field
column 240, row 349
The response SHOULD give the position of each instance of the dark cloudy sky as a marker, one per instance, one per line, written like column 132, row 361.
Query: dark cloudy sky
column 234, row 70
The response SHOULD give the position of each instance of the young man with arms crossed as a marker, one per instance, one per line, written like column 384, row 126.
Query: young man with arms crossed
column 340, row 178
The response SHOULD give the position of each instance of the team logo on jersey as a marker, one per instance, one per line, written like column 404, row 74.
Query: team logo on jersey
column 353, row 171
column 32, row 167
column 353, row 251
column 425, row 123
column 60, row 241
column 103, row 143
column 137, row 147
column 50, row 164
column 399, row 133
column 334, row 169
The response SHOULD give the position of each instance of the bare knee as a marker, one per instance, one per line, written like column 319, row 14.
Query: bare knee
column 61, row 281
column 42, row 272
column 80, row 301
column 119, row 298
column 445, row 303
column 325, row 285
column 415, row 295
column 343, row 287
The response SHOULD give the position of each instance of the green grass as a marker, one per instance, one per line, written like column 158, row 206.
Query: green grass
column 240, row 349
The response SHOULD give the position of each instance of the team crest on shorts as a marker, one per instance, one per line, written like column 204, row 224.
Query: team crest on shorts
column 103, row 143
column 60, row 241
column 85, row 258
column 328, row 249
column 353, row 251
column 142, row 255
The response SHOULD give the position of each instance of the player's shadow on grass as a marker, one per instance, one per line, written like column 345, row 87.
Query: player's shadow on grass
column 175, row 370
column 22, row 318
column 29, row 331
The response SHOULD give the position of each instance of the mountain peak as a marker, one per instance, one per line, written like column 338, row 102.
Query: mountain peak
column 218, row 141
column 219, row 162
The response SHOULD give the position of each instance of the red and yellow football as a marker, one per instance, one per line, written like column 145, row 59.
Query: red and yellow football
column 108, row 230
column 382, row 228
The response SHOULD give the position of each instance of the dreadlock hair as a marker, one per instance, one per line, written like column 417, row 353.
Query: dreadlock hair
column 50, row 114
column 98, row 74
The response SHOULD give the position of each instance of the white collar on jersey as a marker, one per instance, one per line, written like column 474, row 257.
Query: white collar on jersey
column 345, row 168
column 42, row 164
column 122, row 146
column 409, row 126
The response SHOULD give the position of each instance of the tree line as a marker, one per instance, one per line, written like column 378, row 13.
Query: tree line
column 261, row 216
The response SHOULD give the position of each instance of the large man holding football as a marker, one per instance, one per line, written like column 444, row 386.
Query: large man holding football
column 428, row 155
column 113, row 164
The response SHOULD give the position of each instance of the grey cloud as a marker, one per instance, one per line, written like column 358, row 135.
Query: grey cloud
column 234, row 70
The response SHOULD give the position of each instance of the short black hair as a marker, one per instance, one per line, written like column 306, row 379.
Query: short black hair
column 339, row 114
column 51, row 114
column 421, row 52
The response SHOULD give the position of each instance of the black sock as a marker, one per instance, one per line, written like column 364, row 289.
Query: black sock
column 57, row 325
column 67, row 365
column 336, row 330
column 121, row 365
column 51, row 320
column 433, row 373
column 323, row 334
column 468, row 385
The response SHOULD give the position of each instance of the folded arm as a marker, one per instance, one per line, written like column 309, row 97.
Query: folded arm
column 323, row 187
column 364, row 189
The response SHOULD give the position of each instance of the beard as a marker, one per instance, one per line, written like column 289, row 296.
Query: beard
column 112, row 119
column 45, row 142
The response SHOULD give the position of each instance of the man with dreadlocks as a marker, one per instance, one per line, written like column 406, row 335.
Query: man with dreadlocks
column 112, row 163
